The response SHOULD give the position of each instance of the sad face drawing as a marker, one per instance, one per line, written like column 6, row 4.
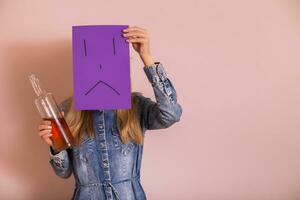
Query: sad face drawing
column 101, row 70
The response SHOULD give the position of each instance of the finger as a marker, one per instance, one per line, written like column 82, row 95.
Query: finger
column 135, row 28
column 136, row 34
column 47, row 139
column 44, row 132
column 137, row 40
column 45, row 136
column 49, row 142
column 44, row 127
column 46, row 122
column 63, row 113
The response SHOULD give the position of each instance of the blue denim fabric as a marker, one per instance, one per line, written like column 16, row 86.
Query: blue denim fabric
column 104, row 167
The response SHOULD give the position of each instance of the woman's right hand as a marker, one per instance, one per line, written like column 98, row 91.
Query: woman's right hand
column 44, row 129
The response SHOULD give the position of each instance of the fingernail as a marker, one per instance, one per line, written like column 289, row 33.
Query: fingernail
column 50, row 127
column 127, row 40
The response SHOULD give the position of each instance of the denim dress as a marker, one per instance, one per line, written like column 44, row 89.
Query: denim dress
column 104, row 167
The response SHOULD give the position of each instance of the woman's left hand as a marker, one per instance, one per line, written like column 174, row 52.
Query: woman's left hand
column 139, row 38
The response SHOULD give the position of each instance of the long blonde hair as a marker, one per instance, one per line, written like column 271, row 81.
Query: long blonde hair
column 81, row 122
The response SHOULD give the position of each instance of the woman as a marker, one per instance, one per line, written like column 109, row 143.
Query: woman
column 107, row 159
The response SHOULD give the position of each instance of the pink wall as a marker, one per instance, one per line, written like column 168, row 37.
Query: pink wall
column 235, row 65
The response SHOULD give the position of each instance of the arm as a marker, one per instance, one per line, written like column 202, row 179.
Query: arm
column 61, row 162
column 166, row 110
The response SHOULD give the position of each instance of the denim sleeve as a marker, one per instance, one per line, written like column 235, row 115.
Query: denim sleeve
column 60, row 162
column 165, row 111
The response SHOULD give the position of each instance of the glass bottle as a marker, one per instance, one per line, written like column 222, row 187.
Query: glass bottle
column 62, row 137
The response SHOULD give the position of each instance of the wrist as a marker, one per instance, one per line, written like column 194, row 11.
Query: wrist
column 53, row 151
column 147, row 59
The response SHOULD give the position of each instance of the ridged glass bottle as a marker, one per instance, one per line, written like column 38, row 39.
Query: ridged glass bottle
column 48, row 109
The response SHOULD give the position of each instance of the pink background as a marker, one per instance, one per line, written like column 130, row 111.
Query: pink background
column 235, row 65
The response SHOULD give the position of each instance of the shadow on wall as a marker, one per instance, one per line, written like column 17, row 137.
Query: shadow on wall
column 26, row 169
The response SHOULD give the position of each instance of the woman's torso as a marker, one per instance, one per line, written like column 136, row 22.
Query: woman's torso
column 104, row 167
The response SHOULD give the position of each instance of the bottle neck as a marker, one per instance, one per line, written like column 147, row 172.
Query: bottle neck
column 36, row 85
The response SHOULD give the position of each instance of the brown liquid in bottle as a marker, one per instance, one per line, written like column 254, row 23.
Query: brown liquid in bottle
column 62, row 137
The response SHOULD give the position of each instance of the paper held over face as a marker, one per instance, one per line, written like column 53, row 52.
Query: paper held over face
column 101, row 67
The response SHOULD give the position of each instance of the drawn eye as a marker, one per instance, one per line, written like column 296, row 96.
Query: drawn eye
column 114, row 45
column 84, row 45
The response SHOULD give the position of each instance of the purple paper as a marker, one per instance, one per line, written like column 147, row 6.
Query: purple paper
column 101, row 68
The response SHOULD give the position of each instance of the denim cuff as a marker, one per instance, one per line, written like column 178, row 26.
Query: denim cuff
column 55, row 156
column 155, row 73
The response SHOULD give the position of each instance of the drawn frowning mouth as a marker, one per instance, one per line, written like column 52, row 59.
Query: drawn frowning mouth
column 100, row 81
